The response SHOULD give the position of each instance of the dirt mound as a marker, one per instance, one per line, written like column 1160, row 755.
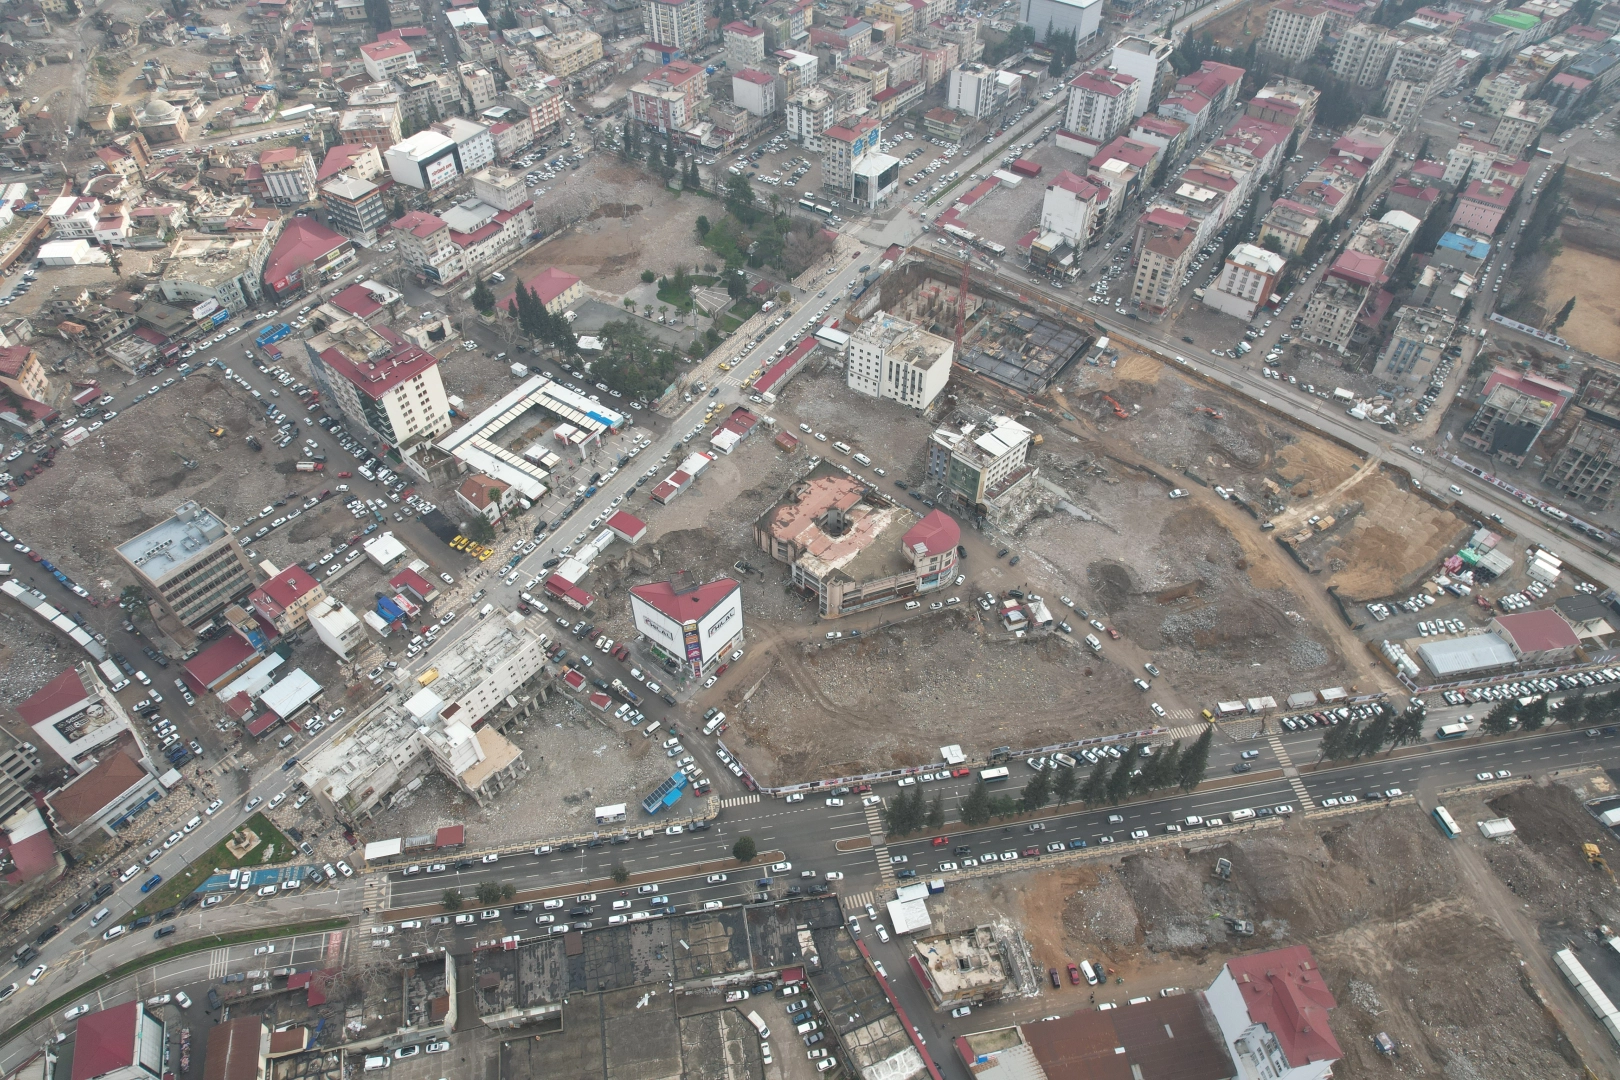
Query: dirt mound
column 1101, row 911
column 1543, row 864
column 1111, row 583
column 614, row 210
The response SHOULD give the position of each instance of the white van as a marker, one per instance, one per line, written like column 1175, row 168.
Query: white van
column 1089, row 972
column 1241, row 815
column 378, row 1061
column 1096, row 646
column 651, row 728
column 842, row 448
column 714, row 725
column 862, row 459
column 485, row 610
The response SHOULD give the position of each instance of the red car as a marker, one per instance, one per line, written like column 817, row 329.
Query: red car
column 940, row 841
column 345, row 475
column 862, row 789
column 1074, row 974
column 962, row 772
column 1113, row 633
column 1033, row 852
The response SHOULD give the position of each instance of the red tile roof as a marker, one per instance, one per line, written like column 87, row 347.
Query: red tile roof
column 416, row 583
column 420, row 223
column 1538, row 631
column 758, row 78
column 1358, row 266
column 1077, row 184
column 450, row 836
column 31, row 856
column 104, row 1041
column 1283, row 990
column 302, row 241
column 278, row 155
column 356, row 300
column 286, row 587
column 264, row 723
column 688, row 606
column 549, row 284
column 627, row 525
column 89, row 794
column 376, row 378
column 744, row 29
column 222, row 656
column 338, row 158
column 58, row 695
column 935, row 534
column 385, row 50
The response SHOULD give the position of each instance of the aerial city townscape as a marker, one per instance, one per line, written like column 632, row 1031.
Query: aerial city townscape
column 886, row 539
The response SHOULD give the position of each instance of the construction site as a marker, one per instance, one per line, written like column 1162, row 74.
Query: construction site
column 1452, row 965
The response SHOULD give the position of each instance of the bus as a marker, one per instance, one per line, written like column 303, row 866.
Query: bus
column 824, row 211
column 1543, row 151
column 806, row 204
column 1443, row 818
column 991, row 776
column 1452, row 731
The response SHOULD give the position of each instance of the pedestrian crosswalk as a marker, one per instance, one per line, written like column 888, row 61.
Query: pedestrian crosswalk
column 1181, row 714
column 217, row 959
column 880, row 849
column 739, row 800
column 1290, row 772
column 856, row 902
column 1191, row 731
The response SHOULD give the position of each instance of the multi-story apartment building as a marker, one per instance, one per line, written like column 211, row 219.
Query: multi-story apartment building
column 190, row 563
column 1421, row 68
column 571, row 52
column 980, row 465
column 494, row 223
column 427, row 248
column 1071, row 210
column 810, row 112
column 1102, row 103
column 1416, row 345
column 671, row 98
column 374, row 127
column 745, row 45
column 354, row 207
column 289, row 175
column 1521, row 124
column 1335, row 305
column 677, row 24
column 1166, row 243
column 1587, row 468
column 1145, row 58
column 385, row 59
column 1364, row 54
column 478, row 83
column 22, row 373
column 75, row 714
column 1246, row 281
column 475, row 147
column 1288, row 102
column 898, row 360
column 843, row 147
column 974, row 89
column 754, row 91
column 1294, row 30
column 380, row 381
column 284, row 600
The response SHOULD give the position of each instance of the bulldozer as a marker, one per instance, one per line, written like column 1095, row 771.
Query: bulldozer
column 1594, row 857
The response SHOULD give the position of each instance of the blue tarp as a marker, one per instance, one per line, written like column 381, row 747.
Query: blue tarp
column 388, row 609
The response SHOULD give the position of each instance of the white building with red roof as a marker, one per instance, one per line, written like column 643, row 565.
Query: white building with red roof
column 76, row 714
column 557, row 289
column 305, row 254
column 690, row 626
column 380, row 381
column 1272, row 1008
column 627, row 527
column 385, row 59
column 125, row 1042
column 1072, row 208
column 429, row 249
column 1102, row 103
column 286, row 598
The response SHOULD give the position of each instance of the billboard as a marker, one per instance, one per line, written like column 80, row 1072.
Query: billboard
column 439, row 171
column 721, row 625
column 204, row 309
column 659, row 628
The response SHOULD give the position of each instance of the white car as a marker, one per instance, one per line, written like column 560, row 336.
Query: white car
column 781, row 867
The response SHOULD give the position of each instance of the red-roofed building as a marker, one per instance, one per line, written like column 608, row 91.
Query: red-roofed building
column 694, row 626
column 286, row 598
column 429, row 249
column 1102, row 103
column 125, row 1042
column 360, row 160
column 450, row 836
column 573, row 679
column 934, row 537
column 486, row 496
column 289, row 174
column 1072, row 209
column 1164, row 246
column 219, row 663
column 566, row 591
column 364, row 304
column 1272, row 1008
column 382, row 382
column 1480, row 207
column 627, row 526
column 105, row 798
column 76, row 715
column 408, row 580
column 774, row 378
column 557, row 289
column 27, row 844
column 385, row 59
column 306, row 254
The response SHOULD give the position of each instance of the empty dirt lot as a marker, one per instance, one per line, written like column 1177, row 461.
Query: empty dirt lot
column 1375, row 895
column 1594, row 325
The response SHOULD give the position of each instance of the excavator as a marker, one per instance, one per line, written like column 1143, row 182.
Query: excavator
column 214, row 429
column 1213, row 414
column 1119, row 410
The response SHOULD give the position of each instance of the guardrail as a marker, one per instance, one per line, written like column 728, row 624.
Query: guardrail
column 912, row 770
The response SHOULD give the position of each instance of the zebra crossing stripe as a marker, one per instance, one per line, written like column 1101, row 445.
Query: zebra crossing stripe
column 739, row 800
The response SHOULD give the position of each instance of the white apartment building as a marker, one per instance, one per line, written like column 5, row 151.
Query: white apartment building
column 392, row 390
column 898, row 360
column 971, row 89
column 425, row 244
column 385, row 59
column 1364, row 52
column 475, row 147
column 1102, row 103
column 810, row 112
column 1246, row 282
column 1272, row 1009
column 1294, row 30
column 754, row 91
column 75, row 714
column 1072, row 208
column 479, row 83
column 338, row 627
column 289, row 175
column 1081, row 17
column 1145, row 58
column 678, row 23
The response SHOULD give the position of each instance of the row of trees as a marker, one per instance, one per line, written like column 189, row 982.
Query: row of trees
column 488, row 893
column 1355, row 739
column 1108, row 782
column 662, row 159
column 535, row 320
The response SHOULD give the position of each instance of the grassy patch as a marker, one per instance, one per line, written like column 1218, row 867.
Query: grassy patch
column 271, row 843
column 150, row 959
column 737, row 314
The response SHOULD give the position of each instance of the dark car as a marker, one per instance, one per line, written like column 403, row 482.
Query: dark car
column 213, row 998
column 46, row 934
column 164, row 931
column 104, row 890
column 1052, row 973
column 963, row 849
column 1242, row 767
column 581, row 911
column 141, row 923
column 79, row 909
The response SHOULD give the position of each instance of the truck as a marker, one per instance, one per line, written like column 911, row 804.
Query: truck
column 625, row 692
column 309, row 466
column 1342, row 394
